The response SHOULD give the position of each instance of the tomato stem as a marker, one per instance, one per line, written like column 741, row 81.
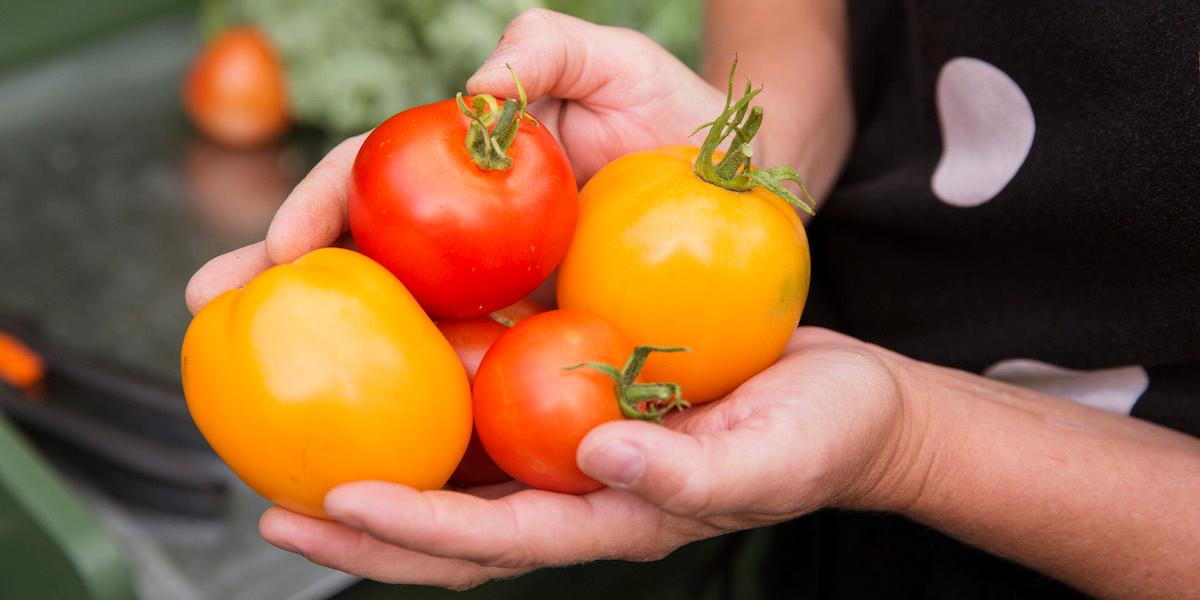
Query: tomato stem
column 642, row 401
column 502, row 319
column 489, row 148
column 734, row 172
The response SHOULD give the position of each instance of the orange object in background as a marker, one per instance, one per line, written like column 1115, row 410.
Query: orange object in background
column 236, row 89
column 20, row 366
column 322, row 372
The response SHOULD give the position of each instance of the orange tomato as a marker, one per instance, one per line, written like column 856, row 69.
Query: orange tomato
column 321, row 372
column 673, row 260
column 236, row 90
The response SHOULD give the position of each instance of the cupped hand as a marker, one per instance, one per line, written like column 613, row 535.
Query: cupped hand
column 827, row 425
column 603, row 92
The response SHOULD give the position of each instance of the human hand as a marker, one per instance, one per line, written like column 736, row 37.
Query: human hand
column 827, row 425
column 602, row 91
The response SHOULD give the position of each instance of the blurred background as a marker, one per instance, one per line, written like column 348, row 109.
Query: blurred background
column 111, row 196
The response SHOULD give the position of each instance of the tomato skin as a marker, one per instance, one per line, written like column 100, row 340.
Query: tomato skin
column 322, row 372
column 674, row 260
column 465, row 241
column 530, row 413
column 471, row 339
column 236, row 90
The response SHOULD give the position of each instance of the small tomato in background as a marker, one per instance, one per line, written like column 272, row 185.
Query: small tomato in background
column 471, row 204
column 543, row 385
column 321, row 372
column 236, row 90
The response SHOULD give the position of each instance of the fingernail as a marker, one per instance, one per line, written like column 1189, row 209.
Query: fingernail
column 502, row 55
column 617, row 463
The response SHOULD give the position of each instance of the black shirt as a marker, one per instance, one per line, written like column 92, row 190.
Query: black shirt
column 1022, row 201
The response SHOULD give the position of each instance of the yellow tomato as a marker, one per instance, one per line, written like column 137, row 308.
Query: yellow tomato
column 673, row 260
column 321, row 372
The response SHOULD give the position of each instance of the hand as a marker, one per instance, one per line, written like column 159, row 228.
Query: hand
column 826, row 425
column 603, row 92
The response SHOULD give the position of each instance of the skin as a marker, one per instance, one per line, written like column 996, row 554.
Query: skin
column 835, row 422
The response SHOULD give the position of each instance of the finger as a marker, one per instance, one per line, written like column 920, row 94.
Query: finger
column 565, row 57
column 697, row 476
column 339, row 547
column 314, row 214
column 225, row 272
column 530, row 528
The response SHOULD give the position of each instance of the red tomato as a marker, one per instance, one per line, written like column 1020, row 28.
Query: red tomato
column 465, row 240
column 532, row 408
column 236, row 91
column 470, row 339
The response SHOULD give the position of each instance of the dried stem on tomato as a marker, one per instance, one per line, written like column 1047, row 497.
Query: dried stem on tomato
column 489, row 147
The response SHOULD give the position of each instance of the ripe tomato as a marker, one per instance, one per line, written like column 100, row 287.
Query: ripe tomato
column 321, row 372
column 676, row 250
column 471, row 339
column 534, row 403
column 236, row 90
column 466, row 240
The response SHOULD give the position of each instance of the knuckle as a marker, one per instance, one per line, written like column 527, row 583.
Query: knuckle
column 633, row 38
column 536, row 18
column 691, row 496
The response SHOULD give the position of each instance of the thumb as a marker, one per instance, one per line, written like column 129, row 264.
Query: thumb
column 686, row 475
column 562, row 56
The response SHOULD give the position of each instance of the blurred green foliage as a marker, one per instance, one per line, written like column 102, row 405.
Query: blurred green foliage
column 353, row 64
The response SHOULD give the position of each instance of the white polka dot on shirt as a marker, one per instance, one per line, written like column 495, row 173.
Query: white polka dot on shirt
column 1115, row 390
column 987, row 131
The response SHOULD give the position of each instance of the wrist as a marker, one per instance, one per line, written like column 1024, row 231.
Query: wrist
column 896, row 477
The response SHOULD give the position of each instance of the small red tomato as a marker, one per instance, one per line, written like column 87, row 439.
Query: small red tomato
column 471, row 217
column 470, row 339
column 547, row 382
column 236, row 90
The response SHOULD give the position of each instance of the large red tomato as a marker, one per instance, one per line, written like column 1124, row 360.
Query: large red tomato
column 471, row 218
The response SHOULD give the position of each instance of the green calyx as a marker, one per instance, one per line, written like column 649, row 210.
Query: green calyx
column 489, row 147
column 734, row 172
column 643, row 401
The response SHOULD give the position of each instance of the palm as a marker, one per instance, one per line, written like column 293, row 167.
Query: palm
column 766, row 453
